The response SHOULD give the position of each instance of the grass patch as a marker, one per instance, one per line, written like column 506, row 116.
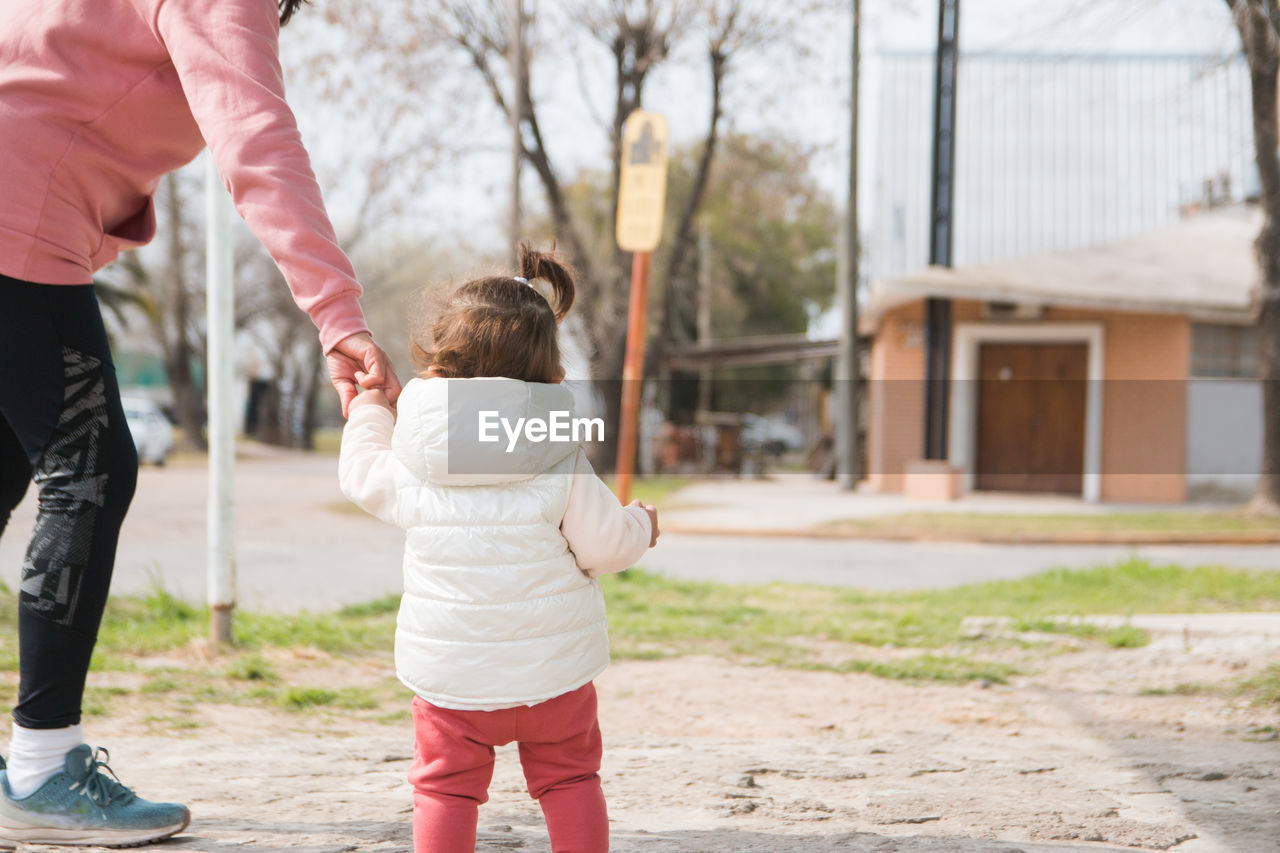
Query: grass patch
column 97, row 700
column 306, row 698
column 1127, row 587
column 654, row 617
column 165, row 725
column 356, row 699
column 252, row 668
column 1110, row 525
column 159, row 622
column 1126, row 637
column 1185, row 689
column 159, row 684
column 152, row 623
column 329, row 632
column 1121, row 637
column 928, row 668
column 1086, row 630
column 1265, row 686
column 300, row 698
column 388, row 605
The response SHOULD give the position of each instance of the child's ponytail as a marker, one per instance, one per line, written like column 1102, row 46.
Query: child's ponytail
column 501, row 325
column 548, row 267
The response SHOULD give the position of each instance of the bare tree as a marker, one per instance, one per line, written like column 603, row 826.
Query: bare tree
column 733, row 29
column 167, row 284
column 352, row 67
column 1258, row 22
column 171, row 290
column 347, row 69
column 639, row 37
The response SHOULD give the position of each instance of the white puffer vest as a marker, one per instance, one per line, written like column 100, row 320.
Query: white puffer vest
column 495, row 613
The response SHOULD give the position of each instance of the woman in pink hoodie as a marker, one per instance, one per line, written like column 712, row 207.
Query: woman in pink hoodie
column 99, row 99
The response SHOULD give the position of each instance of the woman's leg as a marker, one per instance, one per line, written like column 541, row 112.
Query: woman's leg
column 560, row 751
column 59, row 396
column 452, row 769
column 60, row 402
column 15, row 473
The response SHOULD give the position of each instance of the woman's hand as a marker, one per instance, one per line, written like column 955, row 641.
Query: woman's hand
column 358, row 359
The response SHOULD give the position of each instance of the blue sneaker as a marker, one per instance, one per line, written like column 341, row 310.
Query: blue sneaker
column 85, row 805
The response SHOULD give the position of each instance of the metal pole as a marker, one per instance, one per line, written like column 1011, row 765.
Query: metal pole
column 704, row 313
column 941, row 231
column 632, row 374
column 222, row 450
column 517, row 120
column 849, row 453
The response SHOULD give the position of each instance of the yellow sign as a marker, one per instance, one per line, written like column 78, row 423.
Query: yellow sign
column 642, row 194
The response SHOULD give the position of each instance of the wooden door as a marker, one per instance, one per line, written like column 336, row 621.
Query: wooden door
column 1030, row 430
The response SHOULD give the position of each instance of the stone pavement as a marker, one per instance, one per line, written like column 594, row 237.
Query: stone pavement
column 871, row 564
column 907, row 793
column 790, row 503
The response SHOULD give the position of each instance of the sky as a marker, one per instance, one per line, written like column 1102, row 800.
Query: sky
column 463, row 203
column 807, row 101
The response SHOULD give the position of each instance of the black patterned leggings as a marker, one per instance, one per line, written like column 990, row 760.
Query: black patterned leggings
column 61, row 426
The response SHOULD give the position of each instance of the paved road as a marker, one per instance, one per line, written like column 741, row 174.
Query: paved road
column 913, row 565
column 302, row 548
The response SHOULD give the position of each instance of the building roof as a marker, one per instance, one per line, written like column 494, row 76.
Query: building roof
column 1203, row 266
column 740, row 352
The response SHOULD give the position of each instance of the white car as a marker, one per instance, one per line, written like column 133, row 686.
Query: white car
column 770, row 434
column 152, row 432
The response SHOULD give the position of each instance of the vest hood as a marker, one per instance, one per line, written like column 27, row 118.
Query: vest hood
column 462, row 432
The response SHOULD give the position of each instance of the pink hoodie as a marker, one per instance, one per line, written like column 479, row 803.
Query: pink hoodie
column 99, row 99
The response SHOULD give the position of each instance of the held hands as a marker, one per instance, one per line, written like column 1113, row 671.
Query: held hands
column 358, row 359
column 372, row 397
column 653, row 520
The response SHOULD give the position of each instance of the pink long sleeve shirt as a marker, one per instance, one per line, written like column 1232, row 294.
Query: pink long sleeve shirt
column 99, row 99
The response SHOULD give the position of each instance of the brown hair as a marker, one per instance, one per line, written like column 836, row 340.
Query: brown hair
column 287, row 8
column 502, row 326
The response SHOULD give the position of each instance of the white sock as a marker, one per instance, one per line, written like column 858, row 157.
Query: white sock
column 37, row 754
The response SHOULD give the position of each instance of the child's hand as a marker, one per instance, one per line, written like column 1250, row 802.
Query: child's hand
column 372, row 397
column 653, row 520
column 358, row 359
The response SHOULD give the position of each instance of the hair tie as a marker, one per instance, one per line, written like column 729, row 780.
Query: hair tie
column 522, row 279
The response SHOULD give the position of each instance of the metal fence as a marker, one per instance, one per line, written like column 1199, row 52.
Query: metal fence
column 1053, row 151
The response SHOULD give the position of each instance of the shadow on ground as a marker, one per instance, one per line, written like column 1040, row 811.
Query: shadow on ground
column 1230, row 798
column 395, row 837
column 854, row 842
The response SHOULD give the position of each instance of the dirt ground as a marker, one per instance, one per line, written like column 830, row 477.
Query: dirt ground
column 702, row 756
column 705, row 755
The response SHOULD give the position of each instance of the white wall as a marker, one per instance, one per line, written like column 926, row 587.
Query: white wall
column 1224, row 437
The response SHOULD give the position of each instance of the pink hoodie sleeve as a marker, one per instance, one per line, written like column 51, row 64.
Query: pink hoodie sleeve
column 227, row 58
column 605, row 536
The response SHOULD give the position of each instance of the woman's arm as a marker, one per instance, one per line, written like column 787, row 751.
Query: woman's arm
column 227, row 58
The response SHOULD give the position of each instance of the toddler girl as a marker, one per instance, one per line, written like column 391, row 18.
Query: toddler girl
column 502, row 625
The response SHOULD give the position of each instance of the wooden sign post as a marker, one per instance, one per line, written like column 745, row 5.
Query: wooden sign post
column 642, row 200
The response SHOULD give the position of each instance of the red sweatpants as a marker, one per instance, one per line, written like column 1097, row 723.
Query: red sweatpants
column 560, row 751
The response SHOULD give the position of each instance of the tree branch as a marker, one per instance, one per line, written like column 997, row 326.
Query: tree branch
column 684, row 231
